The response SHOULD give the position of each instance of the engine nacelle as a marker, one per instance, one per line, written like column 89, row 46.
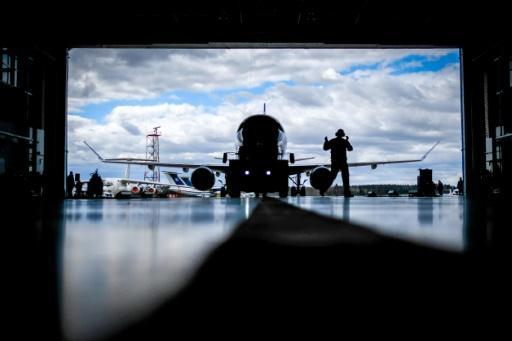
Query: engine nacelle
column 203, row 178
column 320, row 178
column 150, row 191
column 374, row 166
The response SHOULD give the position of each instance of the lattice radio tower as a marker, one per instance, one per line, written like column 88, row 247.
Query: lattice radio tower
column 153, row 153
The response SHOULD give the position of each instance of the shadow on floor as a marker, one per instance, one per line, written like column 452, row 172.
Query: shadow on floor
column 289, row 271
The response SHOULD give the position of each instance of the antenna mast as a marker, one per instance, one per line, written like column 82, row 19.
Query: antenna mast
column 153, row 153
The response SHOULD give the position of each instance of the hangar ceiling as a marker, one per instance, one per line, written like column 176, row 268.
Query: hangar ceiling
column 351, row 23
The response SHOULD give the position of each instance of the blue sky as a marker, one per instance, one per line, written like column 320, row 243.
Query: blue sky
column 408, row 64
column 393, row 104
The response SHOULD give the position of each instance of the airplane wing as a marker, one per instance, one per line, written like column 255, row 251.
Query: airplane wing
column 152, row 163
column 304, row 168
column 305, row 158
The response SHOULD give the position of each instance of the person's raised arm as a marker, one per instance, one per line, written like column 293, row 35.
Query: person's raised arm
column 327, row 145
column 349, row 146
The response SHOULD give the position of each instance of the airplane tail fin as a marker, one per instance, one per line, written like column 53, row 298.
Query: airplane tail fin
column 127, row 172
column 174, row 178
column 431, row 149
column 95, row 152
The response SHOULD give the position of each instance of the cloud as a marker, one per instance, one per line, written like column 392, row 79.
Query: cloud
column 131, row 128
column 330, row 74
column 97, row 75
column 387, row 115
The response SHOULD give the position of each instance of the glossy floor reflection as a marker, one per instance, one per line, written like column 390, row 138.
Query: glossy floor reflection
column 436, row 222
column 121, row 257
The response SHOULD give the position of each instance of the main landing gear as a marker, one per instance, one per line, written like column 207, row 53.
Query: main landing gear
column 223, row 191
column 296, row 190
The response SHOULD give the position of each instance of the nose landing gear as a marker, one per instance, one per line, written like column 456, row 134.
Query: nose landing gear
column 299, row 188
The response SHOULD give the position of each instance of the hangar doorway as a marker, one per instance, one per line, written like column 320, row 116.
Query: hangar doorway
column 393, row 103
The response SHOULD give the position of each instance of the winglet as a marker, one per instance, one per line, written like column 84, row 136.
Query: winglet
column 431, row 149
column 98, row 155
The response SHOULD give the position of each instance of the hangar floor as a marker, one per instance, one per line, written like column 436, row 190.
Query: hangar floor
column 120, row 258
column 145, row 267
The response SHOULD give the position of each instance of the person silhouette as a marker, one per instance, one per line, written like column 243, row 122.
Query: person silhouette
column 440, row 187
column 70, row 184
column 95, row 186
column 78, row 192
column 460, row 186
column 339, row 146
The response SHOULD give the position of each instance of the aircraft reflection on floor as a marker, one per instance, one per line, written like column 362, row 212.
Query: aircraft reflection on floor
column 436, row 222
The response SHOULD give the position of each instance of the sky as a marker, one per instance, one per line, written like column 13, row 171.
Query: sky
column 392, row 103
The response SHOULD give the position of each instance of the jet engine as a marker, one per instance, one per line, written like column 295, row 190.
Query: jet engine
column 320, row 178
column 203, row 178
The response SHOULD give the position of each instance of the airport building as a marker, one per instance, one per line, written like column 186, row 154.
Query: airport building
column 66, row 257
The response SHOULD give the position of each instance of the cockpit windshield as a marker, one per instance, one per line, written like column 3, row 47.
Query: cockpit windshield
column 260, row 120
column 259, row 137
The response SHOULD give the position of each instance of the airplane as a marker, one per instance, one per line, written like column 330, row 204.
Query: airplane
column 260, row 165
column 177, row 186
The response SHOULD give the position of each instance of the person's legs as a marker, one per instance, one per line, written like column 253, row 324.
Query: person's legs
column 335, row 168
column 334, row 171
column 69, row 190
column 345, row 177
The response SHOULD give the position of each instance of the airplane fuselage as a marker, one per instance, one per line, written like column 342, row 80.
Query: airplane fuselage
column 261, row 138
column 261, row 166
